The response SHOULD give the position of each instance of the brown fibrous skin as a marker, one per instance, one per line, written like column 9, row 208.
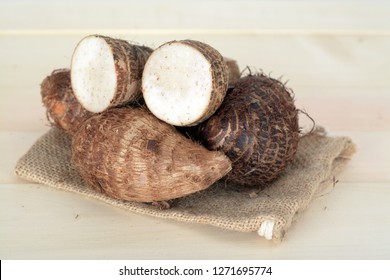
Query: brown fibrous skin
column 256, row 127
column 129, row 60
column 129, row 154
column 233, row 69
column 62, row 108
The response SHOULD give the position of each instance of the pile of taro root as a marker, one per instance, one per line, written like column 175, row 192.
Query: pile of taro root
column 154, row 125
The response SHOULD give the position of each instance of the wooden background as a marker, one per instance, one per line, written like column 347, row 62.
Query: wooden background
column 335, row 55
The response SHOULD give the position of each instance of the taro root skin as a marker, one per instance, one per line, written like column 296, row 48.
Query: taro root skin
column 62, row 108
column 129, row 154
column 256, row 127
column 233, row 69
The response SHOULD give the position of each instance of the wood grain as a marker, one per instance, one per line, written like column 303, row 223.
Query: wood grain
column 333, row 54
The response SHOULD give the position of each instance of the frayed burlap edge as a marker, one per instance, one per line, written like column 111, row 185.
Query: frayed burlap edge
column 269, row 212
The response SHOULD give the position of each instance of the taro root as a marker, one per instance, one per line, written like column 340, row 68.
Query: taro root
column 233, row 69
column 184, row 82
column 256, row 127
column 62, row 108
column 106, row 72
column 129, row 154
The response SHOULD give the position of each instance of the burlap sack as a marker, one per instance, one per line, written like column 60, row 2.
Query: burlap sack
column 269, row 212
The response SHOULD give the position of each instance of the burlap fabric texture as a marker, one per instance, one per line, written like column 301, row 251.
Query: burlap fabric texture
column 269, row 212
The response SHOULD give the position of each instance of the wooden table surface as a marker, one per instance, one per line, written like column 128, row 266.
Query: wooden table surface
column 335, row 55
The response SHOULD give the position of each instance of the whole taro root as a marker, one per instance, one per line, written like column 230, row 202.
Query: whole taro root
column 62, row 108
column 256, row 127
column 129, row 154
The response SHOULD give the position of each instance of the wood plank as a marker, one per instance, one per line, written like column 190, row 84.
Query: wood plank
column 22, row 110
column 296, row 16
column 38, row 223
column 333, row 53
column 371, row 161
column 338, row 110
column 316, row 61
column 344, row 84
